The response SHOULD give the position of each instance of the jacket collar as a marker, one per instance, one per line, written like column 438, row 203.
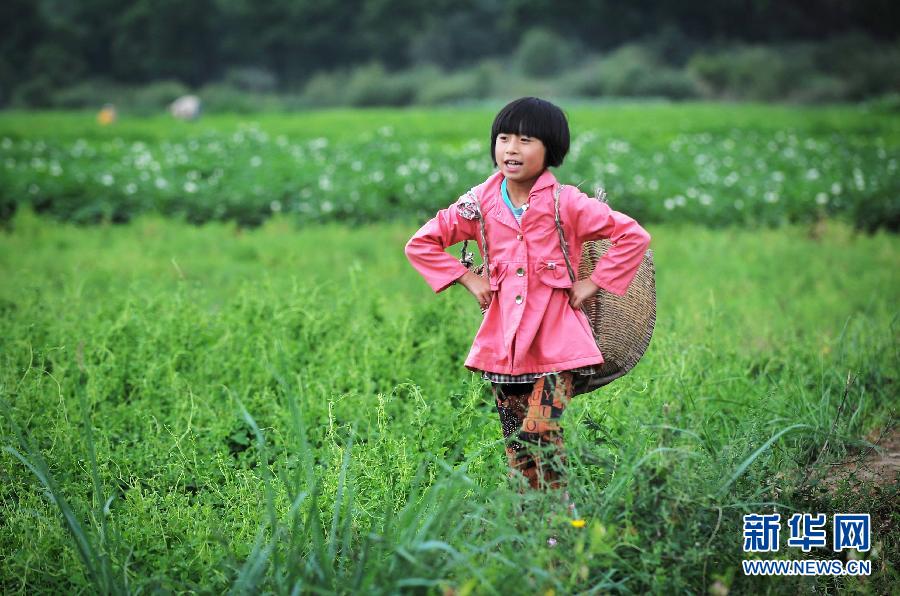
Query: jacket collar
column 498, row 209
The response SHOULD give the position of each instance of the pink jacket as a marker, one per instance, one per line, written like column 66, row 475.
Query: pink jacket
column 529, row 325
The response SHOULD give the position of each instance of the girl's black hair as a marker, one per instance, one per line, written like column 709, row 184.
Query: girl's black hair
column 537, row 118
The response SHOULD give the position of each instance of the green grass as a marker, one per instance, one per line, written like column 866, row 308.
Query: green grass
column 287, row 408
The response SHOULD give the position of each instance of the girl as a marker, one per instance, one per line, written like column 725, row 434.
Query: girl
column 534, row 337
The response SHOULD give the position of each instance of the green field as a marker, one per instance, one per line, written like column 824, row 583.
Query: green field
column 285, row 407
column 713, row 164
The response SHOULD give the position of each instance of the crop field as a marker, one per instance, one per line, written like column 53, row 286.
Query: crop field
column 275, row 400
column 711, row 164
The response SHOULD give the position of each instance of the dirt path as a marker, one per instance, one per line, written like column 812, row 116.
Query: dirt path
column 866, row 465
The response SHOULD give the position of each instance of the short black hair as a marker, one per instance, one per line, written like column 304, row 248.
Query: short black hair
column 537, row 118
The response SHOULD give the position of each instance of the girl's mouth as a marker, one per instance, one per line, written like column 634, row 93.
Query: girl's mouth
column 512, row 165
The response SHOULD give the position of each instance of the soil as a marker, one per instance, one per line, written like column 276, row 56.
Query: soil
column 867, row 466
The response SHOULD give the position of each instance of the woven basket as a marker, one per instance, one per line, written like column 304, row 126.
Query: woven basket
column 622, row 325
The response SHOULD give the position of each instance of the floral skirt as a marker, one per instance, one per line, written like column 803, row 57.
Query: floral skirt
column 529, row 417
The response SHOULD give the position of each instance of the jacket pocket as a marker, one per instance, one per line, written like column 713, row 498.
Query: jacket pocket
column 498, row 272
column 554, row 274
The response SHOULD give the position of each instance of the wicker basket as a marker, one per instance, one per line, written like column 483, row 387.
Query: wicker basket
column 622, row 325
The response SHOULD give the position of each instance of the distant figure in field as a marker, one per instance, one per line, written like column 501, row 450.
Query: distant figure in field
column 186, row 107
column 107, row 114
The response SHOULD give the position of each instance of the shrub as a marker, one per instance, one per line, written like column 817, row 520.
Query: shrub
column 325, row 89
column 371, row 85
column 632, row 70
column 471, row 83
column 34, row 93
column 221, row 97
column 156, row 97
column 253, row 79
column 89, row 94
column 543, row 53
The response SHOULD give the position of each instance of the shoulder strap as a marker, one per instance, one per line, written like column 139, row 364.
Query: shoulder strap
column 467, row 256
column 562, row 237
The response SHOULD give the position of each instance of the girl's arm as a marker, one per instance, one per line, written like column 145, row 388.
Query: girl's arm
column 595, row 220
column 426, row 250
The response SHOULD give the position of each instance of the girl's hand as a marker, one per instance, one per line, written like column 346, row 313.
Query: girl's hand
column 479, row 287
column 582, row 290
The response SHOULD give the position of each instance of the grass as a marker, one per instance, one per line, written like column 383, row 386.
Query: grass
column 214, row 409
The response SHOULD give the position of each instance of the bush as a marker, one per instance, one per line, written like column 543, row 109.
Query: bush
column 371, row 85
column 867, row 67
column 156, row 97
column 543, row 53
column 34, row 93
column 90, row 94
column 255, row 80
column 632, row 70
column 325, row 89
column 471, row 83
column 744, row 72
column 221, row 97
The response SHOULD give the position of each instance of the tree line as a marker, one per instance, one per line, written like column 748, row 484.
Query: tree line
column 56, row 43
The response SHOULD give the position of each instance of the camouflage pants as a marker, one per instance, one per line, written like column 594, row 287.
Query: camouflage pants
column 529, row 413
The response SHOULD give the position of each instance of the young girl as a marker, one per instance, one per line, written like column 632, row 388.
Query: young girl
column 534, row 337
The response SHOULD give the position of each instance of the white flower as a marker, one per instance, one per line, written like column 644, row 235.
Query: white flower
column 705, row 199
column 130, row 188
column 190, row 187
column 778, row 176
column 161, row 183
column 356, row 166
column 770, row 196
column 836, row 188
column 255, row 161
column 739, row 204
column 377, row 175
column 812, row 174
column 324, row 182
column 107, row 179
column 821, row 198
column 275, row 205
column 669, row 204
column 327, row 206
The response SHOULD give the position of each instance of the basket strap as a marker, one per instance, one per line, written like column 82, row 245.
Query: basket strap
column 562, row 237
column 487, row 264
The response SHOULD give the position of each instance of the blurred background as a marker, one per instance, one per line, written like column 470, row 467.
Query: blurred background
column 242, row 56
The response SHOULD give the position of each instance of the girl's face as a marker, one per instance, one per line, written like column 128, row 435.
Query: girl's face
column 520, row 158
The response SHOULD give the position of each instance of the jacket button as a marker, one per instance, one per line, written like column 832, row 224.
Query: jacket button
column 519, row 299
column 518, row 236
column 520, row 272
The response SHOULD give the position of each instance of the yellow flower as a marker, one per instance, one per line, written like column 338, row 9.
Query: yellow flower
column 578, row 523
